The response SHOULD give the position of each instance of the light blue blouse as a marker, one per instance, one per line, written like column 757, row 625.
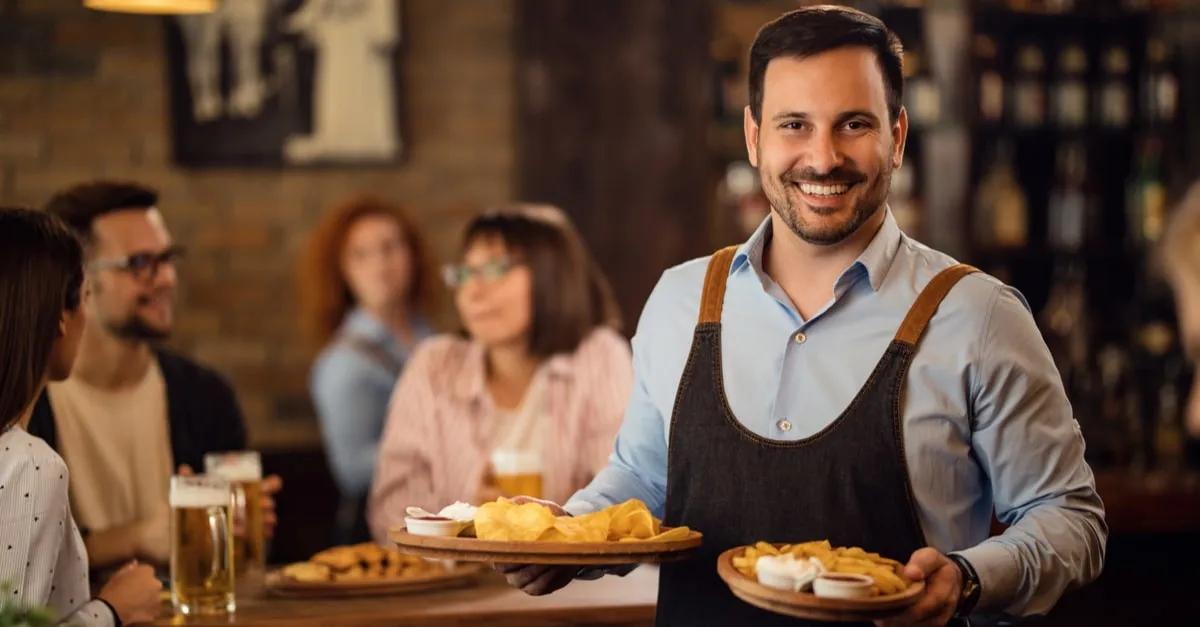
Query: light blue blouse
column 351, row 386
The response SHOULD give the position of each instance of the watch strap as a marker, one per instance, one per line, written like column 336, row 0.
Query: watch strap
column 970, row 590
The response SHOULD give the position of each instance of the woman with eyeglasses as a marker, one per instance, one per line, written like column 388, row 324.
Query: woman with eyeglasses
column 367, row 289
column 43, row 558
column 530, row 396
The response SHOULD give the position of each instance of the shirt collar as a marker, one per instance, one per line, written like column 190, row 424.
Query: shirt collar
column 875, row 261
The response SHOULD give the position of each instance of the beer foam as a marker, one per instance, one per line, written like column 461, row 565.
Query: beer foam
column 207, row 492
column 236, row 467
column 510, row 462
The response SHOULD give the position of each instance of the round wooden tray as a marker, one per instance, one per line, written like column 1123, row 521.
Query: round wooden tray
column 552, row 553
column 808, row 605
column 460, row 575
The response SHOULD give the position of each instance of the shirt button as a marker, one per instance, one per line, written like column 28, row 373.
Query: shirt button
column 784, row 425
column 801, row 338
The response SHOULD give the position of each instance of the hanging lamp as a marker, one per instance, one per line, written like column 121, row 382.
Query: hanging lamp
column 159, row 7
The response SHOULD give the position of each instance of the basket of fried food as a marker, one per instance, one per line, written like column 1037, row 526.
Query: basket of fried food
column 818, row 581
column 367, row 570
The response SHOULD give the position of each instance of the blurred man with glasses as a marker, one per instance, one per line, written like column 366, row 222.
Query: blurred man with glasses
column 132, row 413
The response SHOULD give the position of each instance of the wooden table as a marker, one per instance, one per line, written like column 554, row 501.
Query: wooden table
column 608, row 602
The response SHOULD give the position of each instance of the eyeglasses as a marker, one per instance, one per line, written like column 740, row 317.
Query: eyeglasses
column 456, row 275
column 141, row 265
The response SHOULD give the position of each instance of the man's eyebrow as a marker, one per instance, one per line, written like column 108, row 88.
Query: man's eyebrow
column 849, row 115
column 789, row 115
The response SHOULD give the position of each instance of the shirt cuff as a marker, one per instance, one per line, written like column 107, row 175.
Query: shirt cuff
column 579, row 507
column 999, row 575
column 116, row 618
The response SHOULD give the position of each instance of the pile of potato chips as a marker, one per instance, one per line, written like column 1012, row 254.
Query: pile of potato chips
column 885, row 571
column 630, row 521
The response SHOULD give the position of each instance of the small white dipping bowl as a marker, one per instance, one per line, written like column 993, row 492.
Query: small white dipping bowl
column 427, row 527
column 842, row 585
column 785, row 572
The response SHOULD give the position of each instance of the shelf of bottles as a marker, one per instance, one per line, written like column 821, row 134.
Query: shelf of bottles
column 1075, row 125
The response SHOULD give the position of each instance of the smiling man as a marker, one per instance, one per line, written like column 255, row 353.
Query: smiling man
column 132, row 412
column 832, row 378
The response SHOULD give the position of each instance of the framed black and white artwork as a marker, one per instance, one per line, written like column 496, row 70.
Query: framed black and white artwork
column 286, row 83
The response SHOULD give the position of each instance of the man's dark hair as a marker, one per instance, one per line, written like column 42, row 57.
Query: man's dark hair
column 79, row 206
column 812, row 30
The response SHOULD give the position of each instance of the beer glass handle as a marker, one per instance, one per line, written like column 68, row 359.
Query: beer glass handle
column 219, row 528
column 239, row 509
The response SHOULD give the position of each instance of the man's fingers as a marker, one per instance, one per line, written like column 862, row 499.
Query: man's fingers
column 547, row 582
column 525, row 576
column 923, row 563
column 272, row 484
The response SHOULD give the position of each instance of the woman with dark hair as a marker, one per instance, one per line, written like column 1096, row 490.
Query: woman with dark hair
column 41, row 321
column 535, row 386
column 367, row 290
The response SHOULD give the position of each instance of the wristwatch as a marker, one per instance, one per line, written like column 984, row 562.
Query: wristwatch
column 970, row 590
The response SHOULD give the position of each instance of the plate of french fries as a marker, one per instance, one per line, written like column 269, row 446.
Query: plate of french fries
column 529, row 533
column 831, row 583
column 366, row 570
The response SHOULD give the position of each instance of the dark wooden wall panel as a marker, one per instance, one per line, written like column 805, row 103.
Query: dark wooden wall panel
column 612, row 109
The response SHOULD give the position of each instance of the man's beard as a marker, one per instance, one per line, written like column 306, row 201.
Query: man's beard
column 134, row 328
column 781, row 199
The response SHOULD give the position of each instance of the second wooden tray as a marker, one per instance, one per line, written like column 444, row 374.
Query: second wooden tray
column 808, row 605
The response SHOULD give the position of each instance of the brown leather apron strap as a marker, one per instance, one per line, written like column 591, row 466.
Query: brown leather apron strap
column 712, row 299
column 928, row 301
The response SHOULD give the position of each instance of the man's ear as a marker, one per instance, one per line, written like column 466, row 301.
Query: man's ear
column 751, row 130
column 899, row 137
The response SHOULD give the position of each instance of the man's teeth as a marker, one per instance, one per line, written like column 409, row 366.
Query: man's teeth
column 823, row 190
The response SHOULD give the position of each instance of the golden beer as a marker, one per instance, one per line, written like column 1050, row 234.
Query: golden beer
column 243, row 470
column 517, row 473
column 202, row 580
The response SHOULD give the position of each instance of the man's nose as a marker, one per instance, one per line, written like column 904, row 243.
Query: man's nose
column 825, row 154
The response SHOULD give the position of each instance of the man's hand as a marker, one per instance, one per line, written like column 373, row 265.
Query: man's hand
column 943, row 586
column 537, row 580
column 270, row 487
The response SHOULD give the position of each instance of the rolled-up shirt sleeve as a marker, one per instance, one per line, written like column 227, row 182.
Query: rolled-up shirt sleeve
column 1028, row 442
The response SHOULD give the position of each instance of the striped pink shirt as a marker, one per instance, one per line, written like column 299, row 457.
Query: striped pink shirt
column 441, row 420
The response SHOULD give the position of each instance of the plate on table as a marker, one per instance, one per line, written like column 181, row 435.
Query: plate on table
column 889, row 595
column 366, row 570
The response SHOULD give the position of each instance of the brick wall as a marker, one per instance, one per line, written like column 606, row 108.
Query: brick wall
column 82, row 96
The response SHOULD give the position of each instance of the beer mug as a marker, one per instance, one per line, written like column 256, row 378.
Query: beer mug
column 518, row 473
column 243, row 471
column 201, row 545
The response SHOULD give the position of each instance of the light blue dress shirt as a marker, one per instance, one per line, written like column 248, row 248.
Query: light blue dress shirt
column 351, row 389
column 986, row 420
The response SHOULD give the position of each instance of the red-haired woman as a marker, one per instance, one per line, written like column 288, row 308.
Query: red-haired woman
column 367, row 293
